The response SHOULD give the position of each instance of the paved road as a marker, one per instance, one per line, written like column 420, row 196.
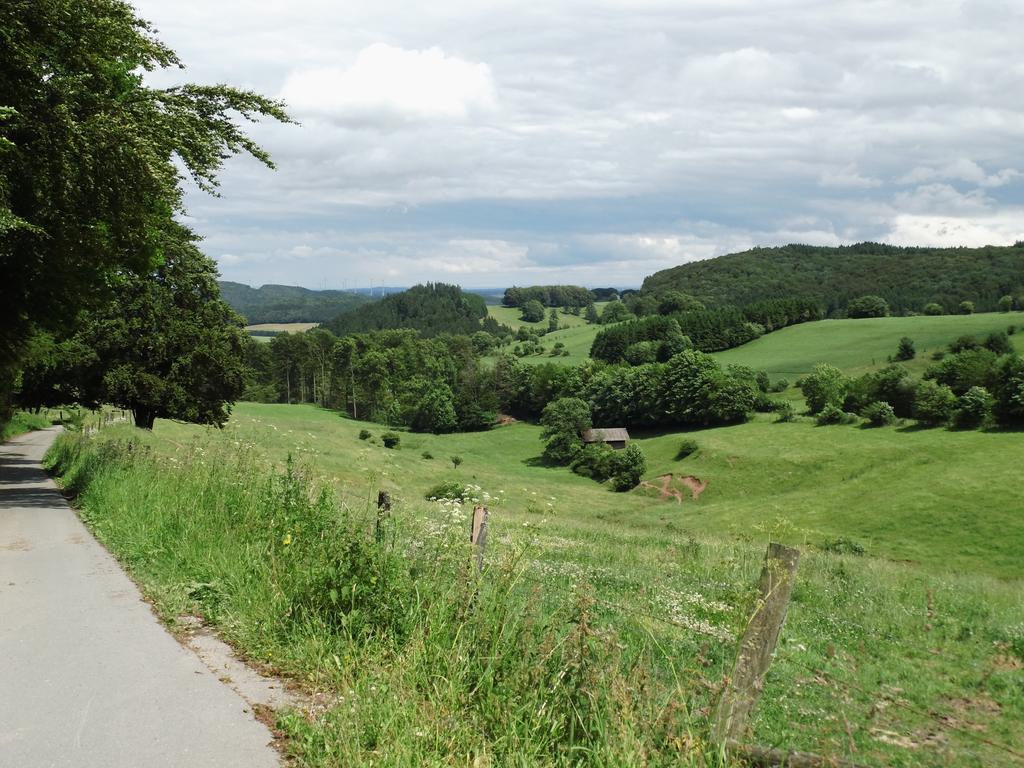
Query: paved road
column 88, row 676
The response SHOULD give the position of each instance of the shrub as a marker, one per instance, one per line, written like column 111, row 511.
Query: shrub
column 365, row 434
column 975, row 408
column 999, row 343
column 780, row 386
column 1009, row 390
column 1005, row 303
column 427, row 455
column 867, row 306
column 933, row 309
column 784, row 411
column 456, row 461
column 843, row 546
column 833, row 414
column 933, row 403
column 1011, row 329
column 905, row 350
column 963, row 343
column 448, row 489
column 965, row 307
column 391, row 439
column 594, row 461
column 628, row 467
column 825, row 386
column 686, row 448
column 879, row 414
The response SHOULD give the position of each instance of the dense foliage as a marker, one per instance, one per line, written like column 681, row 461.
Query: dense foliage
column 165, row 347
column 431, row 309
column 92, row 159
column 548, row 296
column 908, row 279
column 288, row 303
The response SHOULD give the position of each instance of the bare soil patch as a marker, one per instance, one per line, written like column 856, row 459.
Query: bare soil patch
column 672, row 487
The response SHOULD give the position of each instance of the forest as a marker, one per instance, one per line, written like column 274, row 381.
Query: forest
column 287, row 303
column 907, row 278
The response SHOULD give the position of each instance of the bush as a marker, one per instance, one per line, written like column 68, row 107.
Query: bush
column 391, row 439
column 833, row 414
column 1011, row 329
column 456, row 461
column 867, row 306
column 879, row 414
column 686, row 448
column 594, row 461
column 825, row 386
column 965, row 307
column 780, row 386
column 449, row 489
column 964, row 343
column 933, row 403
column 999, row 343
column 933, row 309
column 784, row 411
column 1008, row 390
column 975, row 408
column 628, row 467
column 905, row 350
column 427, row 455
column 365, row 434
column 843, row 546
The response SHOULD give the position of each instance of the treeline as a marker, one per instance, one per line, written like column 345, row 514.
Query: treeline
column 978, row 383
column 432, row 309
column 907, row 278
column 658, row 337
column 288, row 303
column 440, row 384
column 549, row 296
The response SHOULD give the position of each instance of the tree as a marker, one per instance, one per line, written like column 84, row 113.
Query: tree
column 1009, row 390
column 628, row 467
column 868, row 306
column 677, row 301
column 92, row 159
column 1005, row 303
column 975, row 408
column 435, row 411
column 825, row 385
column 614, row 312
column 553, row 320
column 167, row 346
column 563, row 421
column 934, row 403
column 456, row 461
column 533, row 311
column 905, row 350
column 965, row 307
column 591, row 315
column 933, row 308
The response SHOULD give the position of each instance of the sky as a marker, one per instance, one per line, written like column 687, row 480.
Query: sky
column 595, row 142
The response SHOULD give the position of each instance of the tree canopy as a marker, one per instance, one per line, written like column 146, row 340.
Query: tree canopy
column 93, row 160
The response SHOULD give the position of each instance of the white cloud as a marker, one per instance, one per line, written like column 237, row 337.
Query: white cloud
column 951, row 231
column 385, row 82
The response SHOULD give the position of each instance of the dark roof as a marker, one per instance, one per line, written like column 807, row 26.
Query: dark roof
column 614, row 435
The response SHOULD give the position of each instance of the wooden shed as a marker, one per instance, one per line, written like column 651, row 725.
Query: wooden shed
column 616, row 437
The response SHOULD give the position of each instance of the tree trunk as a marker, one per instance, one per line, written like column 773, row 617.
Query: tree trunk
column 144, row 417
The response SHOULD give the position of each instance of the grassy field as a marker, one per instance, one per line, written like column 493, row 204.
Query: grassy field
column 511, row 316
column 857, row 346
column 576, row 334
column 870, row 645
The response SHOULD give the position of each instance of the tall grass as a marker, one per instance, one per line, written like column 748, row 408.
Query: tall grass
column 426, row 663
column 21, row 422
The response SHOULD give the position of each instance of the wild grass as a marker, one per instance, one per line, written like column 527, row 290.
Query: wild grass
column 587, row 641
column 22, row 422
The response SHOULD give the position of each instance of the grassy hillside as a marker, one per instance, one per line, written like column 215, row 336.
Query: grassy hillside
column 577, row 335
column 860, row 345
column 908, row 278
column 869, row 646
column 287, row 303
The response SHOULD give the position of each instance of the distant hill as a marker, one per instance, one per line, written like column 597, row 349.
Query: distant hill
column 432, row 309
column 908, row 278
column 287, row 303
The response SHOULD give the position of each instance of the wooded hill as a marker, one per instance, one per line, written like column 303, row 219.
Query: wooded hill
column 908, row 278
column 288, row 303
column 432, row 309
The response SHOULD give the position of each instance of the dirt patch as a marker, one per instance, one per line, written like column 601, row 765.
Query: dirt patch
column 671, row 487
column 18, row 545
column 504, row 420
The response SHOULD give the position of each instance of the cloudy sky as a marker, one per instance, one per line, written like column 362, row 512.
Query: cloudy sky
column 594, row 142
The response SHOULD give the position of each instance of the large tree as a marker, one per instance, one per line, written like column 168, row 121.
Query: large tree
column 92, row 159
column 167, row 346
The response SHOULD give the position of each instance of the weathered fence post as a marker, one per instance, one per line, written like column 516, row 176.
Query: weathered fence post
column 383, row 510
column 478, row 536
column 743, row 687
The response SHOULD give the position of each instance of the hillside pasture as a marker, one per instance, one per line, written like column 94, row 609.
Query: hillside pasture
column 857, row 346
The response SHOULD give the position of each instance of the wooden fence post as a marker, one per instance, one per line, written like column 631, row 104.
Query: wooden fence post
column 383, row 510
column 743, row 687
column 478, row 536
